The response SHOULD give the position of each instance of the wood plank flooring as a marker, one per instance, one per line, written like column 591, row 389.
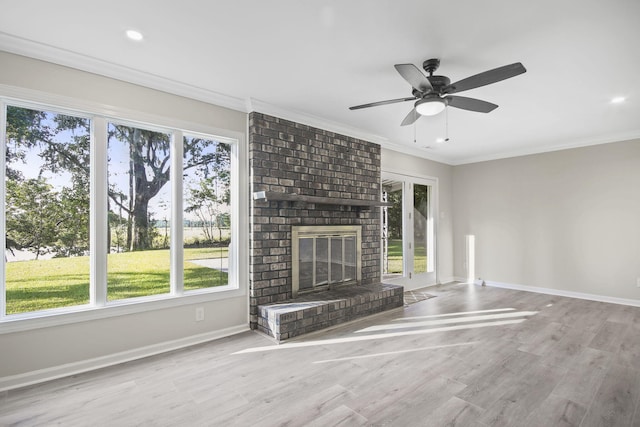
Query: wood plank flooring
column 472, row 356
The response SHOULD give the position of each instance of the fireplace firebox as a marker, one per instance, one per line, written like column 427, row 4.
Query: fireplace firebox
column 324, row 257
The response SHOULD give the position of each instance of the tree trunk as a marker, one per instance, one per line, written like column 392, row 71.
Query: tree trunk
column 142, row 155
column 130, row 244
column 141, row 235
column 108, row 227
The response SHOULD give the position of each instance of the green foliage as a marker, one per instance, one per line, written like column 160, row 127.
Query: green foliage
column 24, row 129
column 73, row 227
column 208, row 202
column 40, row 218
column 198, row 242
column 33, row 214
column 149, row 171
column 62, row 144
column 420, row 211
column 210, row 198
column 394, row 214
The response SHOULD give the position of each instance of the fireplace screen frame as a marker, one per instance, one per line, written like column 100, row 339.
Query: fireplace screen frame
column 321, row 232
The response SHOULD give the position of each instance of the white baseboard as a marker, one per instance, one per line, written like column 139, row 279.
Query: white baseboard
column 562, row 293
column 54, row 372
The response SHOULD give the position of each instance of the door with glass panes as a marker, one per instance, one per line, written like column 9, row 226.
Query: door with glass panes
column 408, row 230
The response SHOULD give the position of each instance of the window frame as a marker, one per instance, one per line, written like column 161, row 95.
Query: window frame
column 99, row 307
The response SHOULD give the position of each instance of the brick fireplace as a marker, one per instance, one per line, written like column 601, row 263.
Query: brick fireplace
column 295, row 159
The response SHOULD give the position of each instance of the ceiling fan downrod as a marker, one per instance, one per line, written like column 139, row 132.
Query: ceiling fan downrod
column 431, row 65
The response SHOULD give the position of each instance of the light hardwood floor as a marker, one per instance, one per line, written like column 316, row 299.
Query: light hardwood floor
column 472, row 356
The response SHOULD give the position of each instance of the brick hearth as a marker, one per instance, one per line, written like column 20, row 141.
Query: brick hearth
column 318, row 310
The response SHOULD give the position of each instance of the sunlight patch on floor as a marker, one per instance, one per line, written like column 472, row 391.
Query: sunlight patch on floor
column 390, row 353
column 446, row 321
column 377, row 336
column 460, row 313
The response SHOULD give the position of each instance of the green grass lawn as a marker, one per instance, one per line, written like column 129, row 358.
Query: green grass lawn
column 420, row 260
column 394, row 247
column 394, row 256
column 64, row 282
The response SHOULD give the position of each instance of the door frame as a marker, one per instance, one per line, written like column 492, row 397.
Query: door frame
column 409, row 279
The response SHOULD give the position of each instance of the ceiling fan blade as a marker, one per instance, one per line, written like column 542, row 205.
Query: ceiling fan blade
column 375, row 104
column 486, row 78
column 414, row 76
column 411, row 118
column 470, row 104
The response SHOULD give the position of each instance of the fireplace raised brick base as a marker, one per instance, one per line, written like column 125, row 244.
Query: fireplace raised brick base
column 318, row 310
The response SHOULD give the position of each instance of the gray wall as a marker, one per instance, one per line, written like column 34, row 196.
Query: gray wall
column 45, row 348
column 566, row 220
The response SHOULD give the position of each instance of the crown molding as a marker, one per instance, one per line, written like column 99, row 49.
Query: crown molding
column 417, row 152
column 339, row 128
column 48, row 53
column 313, row 121
column 41, row 51
column 619, row 137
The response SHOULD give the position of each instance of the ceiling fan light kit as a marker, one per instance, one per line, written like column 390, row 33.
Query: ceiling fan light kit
column 430, row 106
column 434, row 93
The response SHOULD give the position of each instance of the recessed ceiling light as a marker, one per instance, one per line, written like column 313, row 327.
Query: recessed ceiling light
column 618, row 99
column 134, row 35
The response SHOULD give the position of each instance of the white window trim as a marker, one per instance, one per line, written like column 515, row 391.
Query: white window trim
column 98, row 307
column 3, row 240
column 177, row 213
column 98, row 210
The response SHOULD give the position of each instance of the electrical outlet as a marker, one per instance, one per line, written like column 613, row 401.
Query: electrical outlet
column 638, row 282
column 199, row 314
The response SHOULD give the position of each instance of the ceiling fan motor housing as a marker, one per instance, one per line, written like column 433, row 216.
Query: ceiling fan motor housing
column 439, row 82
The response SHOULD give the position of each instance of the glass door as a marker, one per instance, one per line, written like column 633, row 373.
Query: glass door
column 392, row 231
column 408, row 231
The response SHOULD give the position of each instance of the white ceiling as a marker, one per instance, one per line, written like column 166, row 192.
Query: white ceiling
column 310, row 60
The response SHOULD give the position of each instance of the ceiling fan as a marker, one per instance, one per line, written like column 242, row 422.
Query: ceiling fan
column 433, row 93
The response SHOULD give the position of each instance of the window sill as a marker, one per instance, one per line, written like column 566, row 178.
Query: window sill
column 64, row 316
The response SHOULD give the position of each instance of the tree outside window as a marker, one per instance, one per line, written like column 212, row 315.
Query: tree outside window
column 47, row 211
